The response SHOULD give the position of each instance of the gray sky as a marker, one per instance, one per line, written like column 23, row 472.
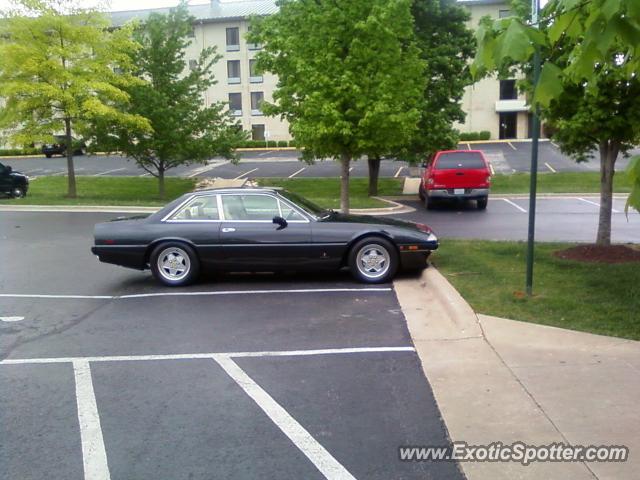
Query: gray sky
column 116, row 5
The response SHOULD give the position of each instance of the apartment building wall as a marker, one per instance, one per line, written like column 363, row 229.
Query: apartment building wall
column 215, row 34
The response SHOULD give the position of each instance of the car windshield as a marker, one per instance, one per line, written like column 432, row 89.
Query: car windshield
column 451, row 160
column 307, row 205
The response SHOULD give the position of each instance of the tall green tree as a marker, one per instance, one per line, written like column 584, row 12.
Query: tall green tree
column 591, row 53
column 58, row 65
column 446, row 46
column 349, row 73
column 185, row 130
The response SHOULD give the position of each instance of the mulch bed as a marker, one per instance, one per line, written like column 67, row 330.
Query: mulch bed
column 600, row 254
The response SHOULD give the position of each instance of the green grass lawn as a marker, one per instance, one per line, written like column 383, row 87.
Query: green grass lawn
column 141, row 191
column 562, row 182
column 596, row 298
column 326, row 191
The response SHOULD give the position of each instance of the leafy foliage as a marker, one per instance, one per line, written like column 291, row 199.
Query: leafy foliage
column 58, row 73
column 588, row 92
column 446, row 45
column 184, row 130
column 349, row 73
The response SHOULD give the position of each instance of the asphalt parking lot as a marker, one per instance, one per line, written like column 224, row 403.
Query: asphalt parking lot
column 106, row 374
column 509, row 157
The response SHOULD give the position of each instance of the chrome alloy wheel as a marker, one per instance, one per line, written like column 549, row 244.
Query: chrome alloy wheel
column 174, row 264
column 373, row 261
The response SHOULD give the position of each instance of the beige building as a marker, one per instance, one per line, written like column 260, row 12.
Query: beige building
column 489, row 104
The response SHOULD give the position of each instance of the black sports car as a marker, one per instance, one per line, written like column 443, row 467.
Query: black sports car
column 257, row 230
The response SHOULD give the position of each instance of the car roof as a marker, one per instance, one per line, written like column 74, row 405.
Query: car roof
column 238, row 190
column 459, row 151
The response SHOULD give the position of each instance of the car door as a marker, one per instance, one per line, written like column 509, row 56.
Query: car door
column 5, row 179
column 198, row 221
column 252, row 242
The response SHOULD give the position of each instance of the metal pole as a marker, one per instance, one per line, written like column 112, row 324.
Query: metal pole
column 535, row 135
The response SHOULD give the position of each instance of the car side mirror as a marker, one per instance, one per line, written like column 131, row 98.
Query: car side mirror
column 424, row 165
column 280, row 221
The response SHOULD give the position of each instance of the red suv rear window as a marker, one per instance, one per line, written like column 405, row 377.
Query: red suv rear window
column 451, row 160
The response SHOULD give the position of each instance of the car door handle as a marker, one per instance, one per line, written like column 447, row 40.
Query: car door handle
column 228, row 230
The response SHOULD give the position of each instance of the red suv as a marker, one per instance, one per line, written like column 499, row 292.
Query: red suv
column 456, row 175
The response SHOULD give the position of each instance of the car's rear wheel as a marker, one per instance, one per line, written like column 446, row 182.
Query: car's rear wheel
column 373, row 260
column 174, row 264
column 421, row 193
column 429, row 203
column 48, row 155
column 17, row 192
column 482, row 203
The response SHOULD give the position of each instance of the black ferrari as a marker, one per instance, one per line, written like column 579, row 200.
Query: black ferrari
column 260, row 230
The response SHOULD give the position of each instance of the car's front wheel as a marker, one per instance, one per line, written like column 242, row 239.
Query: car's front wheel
column 373, row 260
column 17, row 192
column 174, row 264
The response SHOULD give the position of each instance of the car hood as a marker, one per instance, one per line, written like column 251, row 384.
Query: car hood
column 371, row 220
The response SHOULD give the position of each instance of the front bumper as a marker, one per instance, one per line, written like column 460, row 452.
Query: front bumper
column 469, row 193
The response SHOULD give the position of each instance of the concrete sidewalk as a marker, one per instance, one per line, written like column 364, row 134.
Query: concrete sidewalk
column 501, row 380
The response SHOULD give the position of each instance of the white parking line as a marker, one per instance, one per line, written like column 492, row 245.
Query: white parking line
column 555, row 144
column 515, row 205
column 595, row 204
column 11, row 319
column 550, row 167
column 350, row 169
column 190, row 294
column 398, row 172
column 511, row 145
column 204, row 356
column 245, row 173
column 109, row 171
column 301, row 438
column 297, row 172
column 94, row 455
column 146, row 174
column 468, row 146
column 493, row 172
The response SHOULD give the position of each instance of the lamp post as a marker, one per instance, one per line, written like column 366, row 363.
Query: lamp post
column 535, row 136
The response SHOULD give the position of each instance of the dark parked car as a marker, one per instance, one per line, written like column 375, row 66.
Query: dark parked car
column 13, row 184
column 256, row 230
column 60, row 147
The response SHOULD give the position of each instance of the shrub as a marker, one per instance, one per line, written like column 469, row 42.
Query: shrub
column 471, row 136
column 283, row 143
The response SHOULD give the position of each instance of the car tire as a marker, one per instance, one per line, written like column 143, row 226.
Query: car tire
column 428, row 203
column 48, row 155
column 373, row 260
column 17, row 192
column 482, row 203
column 421, row 193
column 174, row 264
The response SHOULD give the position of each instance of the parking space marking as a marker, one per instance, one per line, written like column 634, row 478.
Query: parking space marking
column 468, row 146
column 398, row 172
column 11, row 319
column 205, row 356
column 511, row 145
column 515, row 205
column 493, row 172
column 595, row 204
column 94, row 455
column 245, row 173
column 190, row 294
column 109, row 171
column 550, row 167
column 297, row 172
column 300, row 437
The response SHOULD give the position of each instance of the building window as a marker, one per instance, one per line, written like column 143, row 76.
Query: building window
column 233, row 39
column 192, row 32
column 508, row 125
column 256, row 103
column 253, row 46
column 233, row 71
column 193, row 64
column 257, row 132
column 235, row 104
column 508, row 90
column 254, row 76
column 504, row 13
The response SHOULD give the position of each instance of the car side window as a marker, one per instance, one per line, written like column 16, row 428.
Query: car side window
column 2, row 169
column 288, row 213
column 250, row 207
column 199, row 208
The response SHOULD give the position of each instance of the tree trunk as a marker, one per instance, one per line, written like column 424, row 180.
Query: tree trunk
column 374, row 173
column 71, row 173
column 608, row 154
column 161, row 183
column 345, row 161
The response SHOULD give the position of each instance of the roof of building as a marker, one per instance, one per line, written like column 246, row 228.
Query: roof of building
column 214, row 11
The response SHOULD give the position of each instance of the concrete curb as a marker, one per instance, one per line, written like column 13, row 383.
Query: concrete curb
column 481, row 399
column 78, row 208
column 395, row 208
